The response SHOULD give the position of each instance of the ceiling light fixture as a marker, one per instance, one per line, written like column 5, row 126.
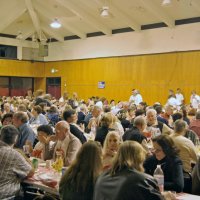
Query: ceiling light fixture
column 105, row 11
column 55, row 24
column 166, row 2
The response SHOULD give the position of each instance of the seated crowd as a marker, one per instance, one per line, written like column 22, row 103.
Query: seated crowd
column 110, row 150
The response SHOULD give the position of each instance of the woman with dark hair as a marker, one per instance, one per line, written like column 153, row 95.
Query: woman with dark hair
column 166, row 155
column 79, row 179
column 7, row 119
column 126, row 180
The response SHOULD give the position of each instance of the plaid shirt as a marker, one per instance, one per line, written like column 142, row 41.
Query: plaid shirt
column 13, row 168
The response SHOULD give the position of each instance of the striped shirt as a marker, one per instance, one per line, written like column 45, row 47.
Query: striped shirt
column 13, row 169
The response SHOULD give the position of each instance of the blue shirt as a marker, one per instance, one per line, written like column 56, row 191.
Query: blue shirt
column 26, row 133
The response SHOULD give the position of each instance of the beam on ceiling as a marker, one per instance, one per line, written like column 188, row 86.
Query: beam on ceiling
column 87, row 17
column 53, row 34
column 9, row 19
column 47, row 12
column 26, row 34
column 158, row 12
column 34, row 18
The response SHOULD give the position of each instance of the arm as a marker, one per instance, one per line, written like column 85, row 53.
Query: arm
column 72, row 150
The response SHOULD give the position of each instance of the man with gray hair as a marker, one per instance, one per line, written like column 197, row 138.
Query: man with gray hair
column 13, row 166
column 156, row 126
column 187, row 149
column 136, row 132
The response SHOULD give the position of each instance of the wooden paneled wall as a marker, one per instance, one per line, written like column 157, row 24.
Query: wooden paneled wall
column 153, row 75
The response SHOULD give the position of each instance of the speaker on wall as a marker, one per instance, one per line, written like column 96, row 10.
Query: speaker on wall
column 43, row 50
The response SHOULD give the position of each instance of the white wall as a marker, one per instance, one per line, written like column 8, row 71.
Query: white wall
column 180, row 38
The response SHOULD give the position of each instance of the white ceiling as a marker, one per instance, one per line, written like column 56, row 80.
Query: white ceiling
column 25, row 18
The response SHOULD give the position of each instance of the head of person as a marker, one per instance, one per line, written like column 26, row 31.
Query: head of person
column 36, row 110
column 112, row 141
column 139, row 112
column 131, row 112
column 22, row 107
column 6, row 107
column 169, row 110
column 177, row 116
column 133, row 92
column 9, row 135
column 142, row 105
column 171, row 92
column 158, row 109
column 198, row 115
column 107, row 119
column 65, row 95
column 112, row 102
column 130, row 155
column 85, row 168
column 140, row 123
column 178, row 90
column 62, row 130
column 44, row 131
column 164, row 147
column 70, row 116
column 19, row 118
column 180, row 127
column 193, row 92
column 151, row 116
column 7, row 119
column 96, row 111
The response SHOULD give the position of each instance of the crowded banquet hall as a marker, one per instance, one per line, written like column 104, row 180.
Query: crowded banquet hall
column 100, row 100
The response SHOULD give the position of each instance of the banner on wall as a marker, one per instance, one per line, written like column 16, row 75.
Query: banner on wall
column 101, row 84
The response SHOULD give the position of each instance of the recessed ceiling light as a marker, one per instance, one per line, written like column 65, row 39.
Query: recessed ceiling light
column 166, row 2
column 105, row 11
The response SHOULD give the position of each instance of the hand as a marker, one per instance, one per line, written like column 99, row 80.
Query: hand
column 82, row 126
column 169, row 195
column 52, row 138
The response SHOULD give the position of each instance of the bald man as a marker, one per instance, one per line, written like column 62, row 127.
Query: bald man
column 66, row 143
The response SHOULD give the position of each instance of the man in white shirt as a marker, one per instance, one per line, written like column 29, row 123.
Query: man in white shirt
column 179, row 96
column 136, row 97
column 194, row 99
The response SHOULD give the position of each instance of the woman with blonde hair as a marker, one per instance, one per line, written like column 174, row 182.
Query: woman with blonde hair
column 110, row 148
column 126, row 180
column 79, row 179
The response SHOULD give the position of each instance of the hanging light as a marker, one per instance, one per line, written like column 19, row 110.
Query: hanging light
column 55, row 24
column 105, row 11
column 166, row 2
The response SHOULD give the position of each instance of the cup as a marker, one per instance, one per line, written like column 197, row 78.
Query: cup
column 48, row 164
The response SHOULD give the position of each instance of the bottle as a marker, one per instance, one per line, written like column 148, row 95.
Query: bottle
column 159, row 176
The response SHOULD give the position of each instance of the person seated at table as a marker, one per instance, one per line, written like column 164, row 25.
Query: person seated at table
column 110, row 148
column 136, row 132
column 65, row 143
column 79, row 179
column 7, row 119
column 196, row 179
column 13, row 166
column 187, row 149
column 166, row 155
column 37, row 116
column 125, row 179
column 27, row 135
column 151, row 117
column 43, row 134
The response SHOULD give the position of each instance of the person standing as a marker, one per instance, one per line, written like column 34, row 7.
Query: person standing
column 179, row 96
column 194, row 99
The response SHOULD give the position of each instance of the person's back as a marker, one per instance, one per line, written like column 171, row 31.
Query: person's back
column 126, row 184
column 13, row 166
column 187, row 151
